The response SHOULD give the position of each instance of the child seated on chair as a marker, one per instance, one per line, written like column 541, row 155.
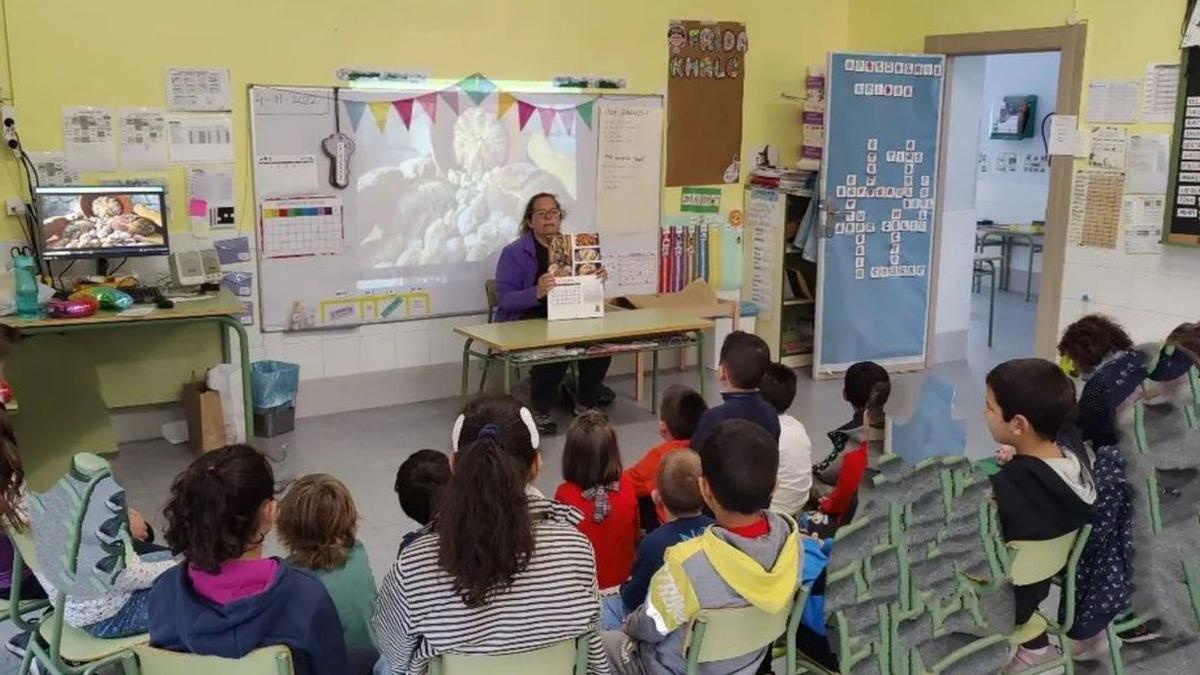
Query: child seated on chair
column 679, row 413
column 317, row 524
column 751, row 557
column 677, row 495
column 226, row 598
column 1043, row 490
column 594, row 484
column 419, row 482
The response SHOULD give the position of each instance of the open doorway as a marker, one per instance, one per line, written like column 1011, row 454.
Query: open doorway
column 996, row 189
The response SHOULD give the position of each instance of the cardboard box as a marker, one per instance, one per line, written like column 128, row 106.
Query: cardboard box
column 205, row 419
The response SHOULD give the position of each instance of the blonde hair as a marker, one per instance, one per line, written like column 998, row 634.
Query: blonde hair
column 318, row 522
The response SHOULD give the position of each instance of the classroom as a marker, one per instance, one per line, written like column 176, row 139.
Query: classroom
column 668, row 338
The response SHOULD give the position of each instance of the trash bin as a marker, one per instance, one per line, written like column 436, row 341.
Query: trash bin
column 273, row 386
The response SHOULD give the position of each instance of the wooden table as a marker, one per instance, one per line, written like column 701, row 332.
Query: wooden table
column 223, row 310
column 1006, row 234
column 507, row 341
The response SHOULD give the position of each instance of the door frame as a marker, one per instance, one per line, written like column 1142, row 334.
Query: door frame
column 1069, row 42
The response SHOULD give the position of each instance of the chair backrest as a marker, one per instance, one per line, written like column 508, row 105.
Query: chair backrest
column 493, row 300
column 720, row 634
column 565, row 657
column 1035, row 561
column 276, row 660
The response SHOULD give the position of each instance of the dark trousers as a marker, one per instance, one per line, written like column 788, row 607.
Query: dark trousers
column 544, row 381
column 1028, row 599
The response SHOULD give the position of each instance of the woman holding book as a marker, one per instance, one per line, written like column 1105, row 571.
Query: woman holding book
column 524, row 277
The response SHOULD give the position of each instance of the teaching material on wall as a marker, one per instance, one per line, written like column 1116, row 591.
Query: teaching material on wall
column 241, row 284
column 1095, row 208
column 1006, row 162
column 285, row 175
column 52, row 168
column 1108, row 146
column 1147, row 166
column 761, row 218
column 306, row 226
column 1142, row 221
column 88, row 141
column 143, row 143
column 717, row 256
column 200, row 139
column 700, row 200
column 1112, row 100
column 1191, row 33
column 1183, row 196
column 577, row 297
column 1032, row 162
column 878, row 186
column 210, row 198
column 706, row 67
column 199, row 90
column 812, row 119
column 628, row 167
column 1063, row 131
column 233, row 251
column 437, row 187
column 1160, row 89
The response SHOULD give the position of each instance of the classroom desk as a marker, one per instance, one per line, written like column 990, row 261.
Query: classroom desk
column 223, row 310
column 507, row 341
column 1030, row 236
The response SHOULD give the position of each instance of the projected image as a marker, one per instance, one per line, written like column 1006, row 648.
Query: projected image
column 101, row 221
column 445, row 193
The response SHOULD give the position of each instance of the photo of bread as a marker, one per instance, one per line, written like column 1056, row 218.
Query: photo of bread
column 587, row 254
column 587, row 268
column 587, row 239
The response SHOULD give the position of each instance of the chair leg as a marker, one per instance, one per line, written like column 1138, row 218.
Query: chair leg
column 1114, row 650
column 487, row 366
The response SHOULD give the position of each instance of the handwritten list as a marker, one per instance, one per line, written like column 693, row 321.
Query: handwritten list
column 628, row 167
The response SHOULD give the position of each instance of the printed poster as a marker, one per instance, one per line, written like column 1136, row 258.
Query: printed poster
column 706, row 73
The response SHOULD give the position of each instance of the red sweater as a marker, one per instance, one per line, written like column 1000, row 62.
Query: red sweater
column 614, row 539
column 854, row 465
column 645, row 472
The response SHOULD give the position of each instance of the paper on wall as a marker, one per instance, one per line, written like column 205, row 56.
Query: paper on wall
column 210, row 198
column 285, row 175
column 198, row 90
column 1142, row 217
column 200, row 139
column 52, row 169
column 1108, row 145
column 88, row 138
column 143, row 144
column 628, row 184
column 1113, row 100
column 1159, row 91
column 1191, row 34
column 1147, row 164
column 1063, row 134
column 1095, row 215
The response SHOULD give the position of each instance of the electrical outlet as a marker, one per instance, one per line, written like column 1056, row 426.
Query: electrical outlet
column 8, row 122
column 14, row 207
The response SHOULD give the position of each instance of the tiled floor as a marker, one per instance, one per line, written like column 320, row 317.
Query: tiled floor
column 364, row 448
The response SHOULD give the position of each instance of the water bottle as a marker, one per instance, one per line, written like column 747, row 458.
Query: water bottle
column 26, row 287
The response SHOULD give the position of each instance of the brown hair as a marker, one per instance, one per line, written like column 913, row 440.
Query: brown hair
column 591, row 455
column 485, row 532
column 12, row 476
column 681, row 410
column 318, row 522
column 1091, row 339
column 528, row 217
column 1186, row 336
column 679, row 484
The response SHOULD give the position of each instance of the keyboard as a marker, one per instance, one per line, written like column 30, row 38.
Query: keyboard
column 144, row 295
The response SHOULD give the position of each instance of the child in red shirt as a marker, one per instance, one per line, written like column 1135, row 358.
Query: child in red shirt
column 680, row 413
column 594, row 484
column 867, row 388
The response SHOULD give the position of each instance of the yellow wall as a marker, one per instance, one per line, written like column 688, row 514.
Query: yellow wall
column 117, row 53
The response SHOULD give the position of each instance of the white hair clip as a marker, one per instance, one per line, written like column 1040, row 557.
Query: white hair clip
column 526, row 417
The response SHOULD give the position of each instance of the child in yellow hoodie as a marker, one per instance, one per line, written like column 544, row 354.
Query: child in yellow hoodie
column 752, row 556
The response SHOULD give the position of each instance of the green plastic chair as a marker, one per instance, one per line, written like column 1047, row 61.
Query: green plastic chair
column 720, row 634
column 561, row 658
column 68, row 650
column 276, row 660
column 1035, row 561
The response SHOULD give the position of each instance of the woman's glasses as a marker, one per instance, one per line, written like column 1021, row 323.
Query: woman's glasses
column 548, row 213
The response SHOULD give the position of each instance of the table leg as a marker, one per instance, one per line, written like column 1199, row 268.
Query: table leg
column 1029, row 275
column 654, row 382
column 507, row 368
column 466, row 367
column 1006, row 262
column 700, row 358
column 639, row 387
column 235, row 323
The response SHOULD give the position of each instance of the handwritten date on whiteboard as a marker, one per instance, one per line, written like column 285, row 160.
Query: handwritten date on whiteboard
column 285, row 101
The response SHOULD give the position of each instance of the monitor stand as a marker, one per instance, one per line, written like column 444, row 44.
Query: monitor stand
column 102, row 267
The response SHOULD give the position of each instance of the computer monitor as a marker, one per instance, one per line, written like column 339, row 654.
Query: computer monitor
column 102, row 222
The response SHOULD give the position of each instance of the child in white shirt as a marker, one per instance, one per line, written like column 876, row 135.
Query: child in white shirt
column 778, row 388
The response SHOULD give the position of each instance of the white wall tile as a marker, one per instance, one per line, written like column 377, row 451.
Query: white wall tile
column 308, row 354
column 378, row 352
column 341, row 355
column 412, row 349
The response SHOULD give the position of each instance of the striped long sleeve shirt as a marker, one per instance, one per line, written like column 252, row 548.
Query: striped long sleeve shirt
column 555, row 597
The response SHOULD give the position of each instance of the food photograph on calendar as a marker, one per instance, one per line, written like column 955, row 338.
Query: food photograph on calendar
column 100, row 220
column 575, row 254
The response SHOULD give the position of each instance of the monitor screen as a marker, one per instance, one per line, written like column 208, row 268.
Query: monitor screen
column 102, row 222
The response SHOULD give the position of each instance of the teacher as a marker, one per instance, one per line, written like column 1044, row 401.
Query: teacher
column 523, row 280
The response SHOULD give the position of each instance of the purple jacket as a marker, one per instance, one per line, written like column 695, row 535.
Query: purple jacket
column 516, row 278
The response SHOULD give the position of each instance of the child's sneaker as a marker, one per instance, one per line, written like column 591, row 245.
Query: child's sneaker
column 1091, row 649
column 1030, row 659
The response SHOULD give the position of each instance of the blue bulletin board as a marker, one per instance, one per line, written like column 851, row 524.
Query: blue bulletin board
column 883, row 116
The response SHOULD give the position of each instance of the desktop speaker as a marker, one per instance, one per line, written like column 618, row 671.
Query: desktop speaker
column 192, row 268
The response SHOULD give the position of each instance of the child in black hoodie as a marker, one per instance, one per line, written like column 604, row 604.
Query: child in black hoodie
column 1044, row 490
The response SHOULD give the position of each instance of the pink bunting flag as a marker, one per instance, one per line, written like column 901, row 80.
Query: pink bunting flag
column 567, row 117
column 404, row 109
column 450, row 98
column 429, row 104
column 524, row 112
column 547, row 117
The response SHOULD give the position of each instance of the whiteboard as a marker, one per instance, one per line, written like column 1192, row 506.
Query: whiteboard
column 438, row 183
